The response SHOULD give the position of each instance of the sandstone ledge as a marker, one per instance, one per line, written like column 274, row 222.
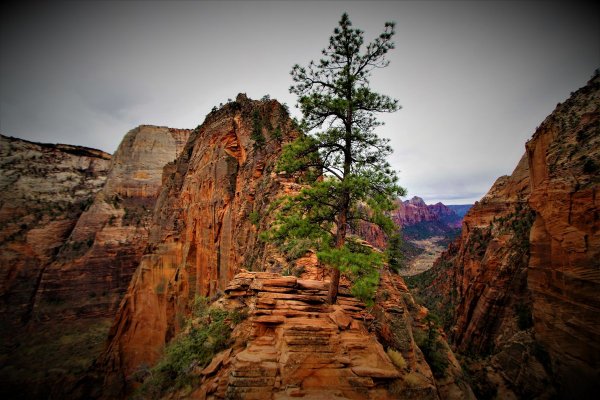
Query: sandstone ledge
column 297, row 345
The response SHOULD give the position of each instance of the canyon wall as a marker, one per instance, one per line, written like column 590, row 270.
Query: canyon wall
column 93, row 269
column 564, row 267
column 520, row 287
column 215, row 197
column 44, row 189
column 75, row 225
column 491, row 265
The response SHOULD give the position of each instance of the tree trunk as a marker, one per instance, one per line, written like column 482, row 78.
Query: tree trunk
column 342, row 220
column 333, row 286
column 340, row 240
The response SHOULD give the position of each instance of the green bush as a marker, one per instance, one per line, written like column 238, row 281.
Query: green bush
column 433, row 349
column 254, row 218
column 257, row 135
column 189, row 351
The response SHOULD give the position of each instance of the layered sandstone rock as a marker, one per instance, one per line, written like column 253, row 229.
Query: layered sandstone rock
column 44, row 189
column 294, row 344
column 564, row 267
column 83, row 259
column 491, row 265
column 521, row 284
column 215, row 197
column 301, row 346
column 94, row 267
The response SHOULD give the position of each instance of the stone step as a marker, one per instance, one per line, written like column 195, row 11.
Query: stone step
column 256, row 381
column 311, row 299
column 254, row 370
column 264, row 340
column 248, row 392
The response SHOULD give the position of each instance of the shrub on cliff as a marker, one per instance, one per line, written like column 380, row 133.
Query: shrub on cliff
column 433, row 349
column 190, row 351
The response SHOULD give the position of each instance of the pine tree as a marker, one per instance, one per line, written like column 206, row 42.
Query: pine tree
column 342, row 160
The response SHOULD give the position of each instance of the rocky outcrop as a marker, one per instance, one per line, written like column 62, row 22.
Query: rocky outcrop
column 521, row 284
column 93, row 269
column 294, row 344
column 564, row 267
column 491, row 265
column 44, row 188
column 214, row 199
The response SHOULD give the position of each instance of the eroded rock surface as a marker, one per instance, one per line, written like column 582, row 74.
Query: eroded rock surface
column 521, row 284
column 296, row 345
column 215, row 197
column 77, row 224
column 93, row 269
column 564, row 267
column 44, row 189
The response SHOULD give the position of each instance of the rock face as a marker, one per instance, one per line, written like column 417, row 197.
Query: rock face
column 491, row 264
column 64, row 269
column 300, row 346
column 44, row 189
column 215, row 197
column 296, row 345
column 94, row 268
column 564, row 267
column 521, row 284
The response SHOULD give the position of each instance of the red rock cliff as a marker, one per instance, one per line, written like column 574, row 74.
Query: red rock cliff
column 205, row 228
column 43, row 191
column 490, row 266
column 564, row 267
column 521, row 284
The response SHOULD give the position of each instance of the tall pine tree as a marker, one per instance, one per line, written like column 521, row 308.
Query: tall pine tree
column 343, row 161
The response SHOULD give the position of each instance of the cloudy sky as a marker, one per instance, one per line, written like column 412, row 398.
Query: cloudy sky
column 474, row 78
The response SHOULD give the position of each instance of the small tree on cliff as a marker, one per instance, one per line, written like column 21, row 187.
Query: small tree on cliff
column 343, row 160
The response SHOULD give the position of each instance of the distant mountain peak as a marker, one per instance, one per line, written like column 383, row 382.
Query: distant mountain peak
column 416, row 200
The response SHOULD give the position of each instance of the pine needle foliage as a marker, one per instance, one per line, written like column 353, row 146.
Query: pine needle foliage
column 341, row 158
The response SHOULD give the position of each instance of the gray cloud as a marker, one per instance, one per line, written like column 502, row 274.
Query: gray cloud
column 474, row 78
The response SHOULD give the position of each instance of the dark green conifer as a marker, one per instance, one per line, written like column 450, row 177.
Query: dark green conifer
column 342, row 160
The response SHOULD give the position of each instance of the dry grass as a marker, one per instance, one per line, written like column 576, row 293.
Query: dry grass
column 396, row 358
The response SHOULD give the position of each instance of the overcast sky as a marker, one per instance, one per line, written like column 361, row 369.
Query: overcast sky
column 474, row 78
